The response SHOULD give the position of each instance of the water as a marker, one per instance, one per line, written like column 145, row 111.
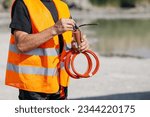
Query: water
column 121, row 37
column 117, row 37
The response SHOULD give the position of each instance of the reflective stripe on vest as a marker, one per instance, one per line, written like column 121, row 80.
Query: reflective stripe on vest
column 40, row 70
column 39, row 51
column 32, row 70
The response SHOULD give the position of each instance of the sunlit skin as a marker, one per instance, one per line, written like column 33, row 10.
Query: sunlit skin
column 26, row 42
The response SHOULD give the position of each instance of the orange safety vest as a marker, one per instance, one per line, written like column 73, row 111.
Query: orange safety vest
column 40, row 70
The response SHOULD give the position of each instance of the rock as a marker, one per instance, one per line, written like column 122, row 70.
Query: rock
column 81, row 4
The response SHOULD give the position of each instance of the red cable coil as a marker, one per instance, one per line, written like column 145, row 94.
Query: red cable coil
column 69, row 61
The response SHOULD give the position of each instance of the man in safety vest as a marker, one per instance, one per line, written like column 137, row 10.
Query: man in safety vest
column 41, row 36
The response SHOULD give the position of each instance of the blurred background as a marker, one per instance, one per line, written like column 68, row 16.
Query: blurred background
column 121, row 39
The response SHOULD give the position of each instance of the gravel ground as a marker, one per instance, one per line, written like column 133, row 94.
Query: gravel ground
column 118, row 78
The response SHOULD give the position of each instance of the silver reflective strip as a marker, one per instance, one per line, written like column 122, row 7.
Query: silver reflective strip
column 68, row 47
column 13, row 48
column 61, row 64
column 32, row 70
column 38, row 51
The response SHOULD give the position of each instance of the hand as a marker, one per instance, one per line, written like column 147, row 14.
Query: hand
column 63, row 25
column 84, row 44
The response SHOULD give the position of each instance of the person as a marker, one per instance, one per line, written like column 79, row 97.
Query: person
column 41, row 34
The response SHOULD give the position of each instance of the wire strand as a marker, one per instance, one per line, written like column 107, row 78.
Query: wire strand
column 86, row 25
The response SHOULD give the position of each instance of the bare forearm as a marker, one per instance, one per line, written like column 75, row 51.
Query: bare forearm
column 27, row 42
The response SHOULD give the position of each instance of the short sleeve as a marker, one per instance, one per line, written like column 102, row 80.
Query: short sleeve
column 20, row 18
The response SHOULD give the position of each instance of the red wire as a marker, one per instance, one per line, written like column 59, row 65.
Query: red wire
column 86, row 74
column 70, row 57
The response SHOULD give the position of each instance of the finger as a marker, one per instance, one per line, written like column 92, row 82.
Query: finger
column 68, row 29
column 73, row 20
column 84, row 47
column 67, row 19
column 66, row 23
column 69, row 26
column 69, row 22
column 83, row 38
column 85, row 42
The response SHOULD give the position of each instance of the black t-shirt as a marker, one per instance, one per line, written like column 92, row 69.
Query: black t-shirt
column 21, row 19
